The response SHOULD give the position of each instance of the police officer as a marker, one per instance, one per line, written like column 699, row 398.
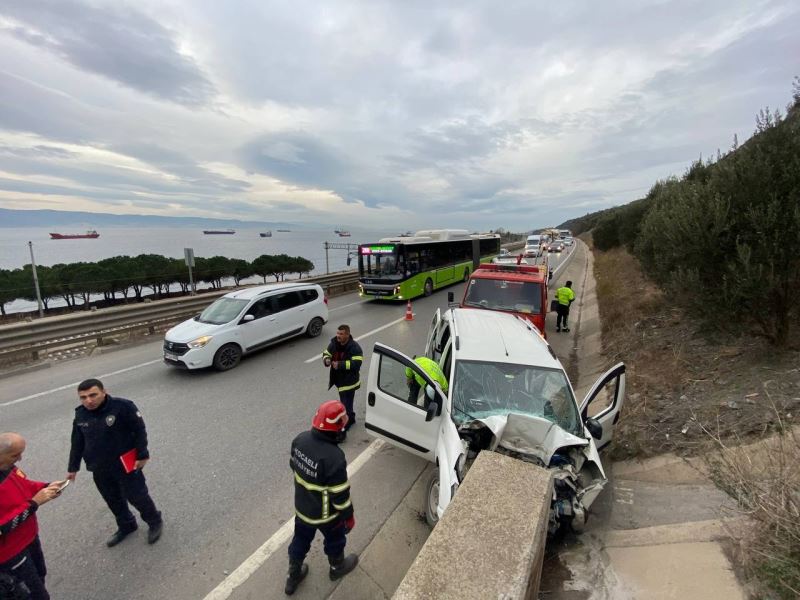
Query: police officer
column 104, row 430
column 565, row 296
column 415, row 381
column 321, row 495
column 344, row 357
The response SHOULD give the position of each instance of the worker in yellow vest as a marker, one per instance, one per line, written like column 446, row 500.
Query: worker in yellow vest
column 565, row 297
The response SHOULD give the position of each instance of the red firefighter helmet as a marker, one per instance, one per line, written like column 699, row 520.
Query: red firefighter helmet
column 331, row 416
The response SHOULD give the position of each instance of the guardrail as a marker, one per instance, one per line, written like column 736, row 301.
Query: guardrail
column 99, row 326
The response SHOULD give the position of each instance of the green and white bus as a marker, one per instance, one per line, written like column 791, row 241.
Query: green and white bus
column 405, row 267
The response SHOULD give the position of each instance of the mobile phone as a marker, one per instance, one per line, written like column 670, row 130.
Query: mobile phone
column 65, row 484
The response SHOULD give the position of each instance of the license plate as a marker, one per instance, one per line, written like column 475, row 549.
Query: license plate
column 170, row 356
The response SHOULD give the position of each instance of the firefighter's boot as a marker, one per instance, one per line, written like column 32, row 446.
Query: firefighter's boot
column 341, row 565
column 297, row 572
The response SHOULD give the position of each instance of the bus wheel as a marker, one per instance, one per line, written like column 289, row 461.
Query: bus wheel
column 428, row 287
column 466, row 275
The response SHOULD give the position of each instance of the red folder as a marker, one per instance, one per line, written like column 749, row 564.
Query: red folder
column 128, row 460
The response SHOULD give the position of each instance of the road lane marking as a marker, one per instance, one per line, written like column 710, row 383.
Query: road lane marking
column 75, row 385
column 348, row 305
column 318, row 356
column 278, row 539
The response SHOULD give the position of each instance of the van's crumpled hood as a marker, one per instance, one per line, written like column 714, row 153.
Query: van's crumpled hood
column 526, row 434
column 190, row 330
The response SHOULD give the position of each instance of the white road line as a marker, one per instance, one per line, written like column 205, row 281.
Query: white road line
column 268, row 548
column 318, row 356
column 348, row 305
column 75, row 385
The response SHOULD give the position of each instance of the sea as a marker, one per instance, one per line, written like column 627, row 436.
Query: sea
column 171, row 242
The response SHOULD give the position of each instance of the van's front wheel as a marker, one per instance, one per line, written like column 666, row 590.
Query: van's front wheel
column 314, row 327
column 227, row 357
column 432, row 498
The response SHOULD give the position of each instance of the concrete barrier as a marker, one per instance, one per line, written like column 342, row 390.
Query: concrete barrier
column 490, row 541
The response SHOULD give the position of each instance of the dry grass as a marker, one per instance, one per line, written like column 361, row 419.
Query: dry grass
column 764, row 479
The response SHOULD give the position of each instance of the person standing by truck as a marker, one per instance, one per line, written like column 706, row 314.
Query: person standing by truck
column 565, row 296
column 344, row 357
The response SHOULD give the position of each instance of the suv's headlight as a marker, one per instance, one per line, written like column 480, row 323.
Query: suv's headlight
column 199, row 342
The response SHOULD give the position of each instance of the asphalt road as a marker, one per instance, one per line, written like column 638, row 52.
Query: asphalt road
column 219, row 471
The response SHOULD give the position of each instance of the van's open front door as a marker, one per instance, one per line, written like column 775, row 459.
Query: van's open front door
column 391, row 414
column 604, row 401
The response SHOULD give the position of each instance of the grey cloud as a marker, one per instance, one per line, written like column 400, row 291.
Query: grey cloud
column 114, row 41
column 38, row 151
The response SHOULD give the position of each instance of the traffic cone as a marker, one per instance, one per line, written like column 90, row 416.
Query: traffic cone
column 409, row 314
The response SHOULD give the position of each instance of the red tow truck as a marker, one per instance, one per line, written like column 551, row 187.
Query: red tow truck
column 514, row 287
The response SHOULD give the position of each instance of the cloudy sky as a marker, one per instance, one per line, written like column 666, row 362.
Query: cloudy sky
column 379, row 113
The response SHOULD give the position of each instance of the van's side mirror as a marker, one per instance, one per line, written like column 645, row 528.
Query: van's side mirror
column 431, row 410
column 248, row 318
column 594, row 427
column 450, row 296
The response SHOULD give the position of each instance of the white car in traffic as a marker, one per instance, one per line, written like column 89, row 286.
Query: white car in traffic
column 507, row 393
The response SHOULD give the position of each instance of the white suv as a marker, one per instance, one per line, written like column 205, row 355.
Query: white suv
column 507, row 393
column 244, row 321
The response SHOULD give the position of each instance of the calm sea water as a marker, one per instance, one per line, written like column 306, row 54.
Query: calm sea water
column 245, row 243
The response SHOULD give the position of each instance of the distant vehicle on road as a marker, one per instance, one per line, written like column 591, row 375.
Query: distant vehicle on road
column 555, row 246
column 244, row 321
column 568, row 241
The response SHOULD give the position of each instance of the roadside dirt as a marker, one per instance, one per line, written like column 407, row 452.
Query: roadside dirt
column 685, row 384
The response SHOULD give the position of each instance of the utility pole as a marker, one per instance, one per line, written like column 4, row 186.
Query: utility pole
column 188, row 257
column 36, row 281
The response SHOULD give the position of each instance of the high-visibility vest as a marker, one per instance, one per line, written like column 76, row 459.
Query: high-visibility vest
column 565, row 295
column 432, row 368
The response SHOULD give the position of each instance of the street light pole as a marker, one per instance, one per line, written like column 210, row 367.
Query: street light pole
column 36, row 281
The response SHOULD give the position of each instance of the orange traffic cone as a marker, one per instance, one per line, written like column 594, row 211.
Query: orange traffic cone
column 409, row 314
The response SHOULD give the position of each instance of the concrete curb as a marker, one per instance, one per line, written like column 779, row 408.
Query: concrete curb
column 25, row 369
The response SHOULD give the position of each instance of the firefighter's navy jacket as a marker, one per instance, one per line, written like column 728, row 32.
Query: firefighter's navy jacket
column 101, row 435
column 321, row 488
column 349, row 357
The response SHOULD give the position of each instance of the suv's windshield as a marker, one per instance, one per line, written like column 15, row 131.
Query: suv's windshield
column 222, row 311
column 500, row 294
column 483, row 389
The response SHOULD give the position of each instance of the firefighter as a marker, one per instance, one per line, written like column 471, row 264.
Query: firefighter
column 321, row 495
column 565, row 297
column 344, row 357
column 415, row 382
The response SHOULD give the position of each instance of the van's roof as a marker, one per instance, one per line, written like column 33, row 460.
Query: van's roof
column 252, row 292
column 494, row 336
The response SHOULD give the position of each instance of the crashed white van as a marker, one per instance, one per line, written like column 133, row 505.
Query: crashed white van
column 507, row 393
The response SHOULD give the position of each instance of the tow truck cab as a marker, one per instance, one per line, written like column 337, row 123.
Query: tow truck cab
column 513, row 288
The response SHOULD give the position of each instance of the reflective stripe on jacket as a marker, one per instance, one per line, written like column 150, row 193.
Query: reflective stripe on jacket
column 18, row 526
column 321, row 487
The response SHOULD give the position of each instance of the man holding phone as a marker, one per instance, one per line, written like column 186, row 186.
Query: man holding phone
column 21, row 556
column 106, row 431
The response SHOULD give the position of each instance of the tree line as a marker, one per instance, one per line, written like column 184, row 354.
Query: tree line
column 124, row 277
column 724, row 239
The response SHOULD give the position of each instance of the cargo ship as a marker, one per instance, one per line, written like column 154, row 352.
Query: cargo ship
column 91, row 234
column 265, row 234
column 219, row 231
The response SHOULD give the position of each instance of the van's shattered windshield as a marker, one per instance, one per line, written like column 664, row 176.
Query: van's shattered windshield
column 222, row 311
column 483, row 389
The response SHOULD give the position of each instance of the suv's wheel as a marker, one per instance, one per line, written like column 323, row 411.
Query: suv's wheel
column 314, row 327
column 428, row 287
column 227, row 357
column 432, row 498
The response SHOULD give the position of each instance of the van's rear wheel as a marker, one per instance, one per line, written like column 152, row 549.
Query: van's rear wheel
column 428, row 287
column 227, row 357
column 314, row 327
column 432, row 498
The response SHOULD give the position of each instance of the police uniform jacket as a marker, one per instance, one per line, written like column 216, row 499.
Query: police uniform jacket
column 100, row 436
column 18, row 526
column 321, row 488
column 349, row 356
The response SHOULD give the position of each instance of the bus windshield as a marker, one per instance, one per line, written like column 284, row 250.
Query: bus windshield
column 381, row 261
